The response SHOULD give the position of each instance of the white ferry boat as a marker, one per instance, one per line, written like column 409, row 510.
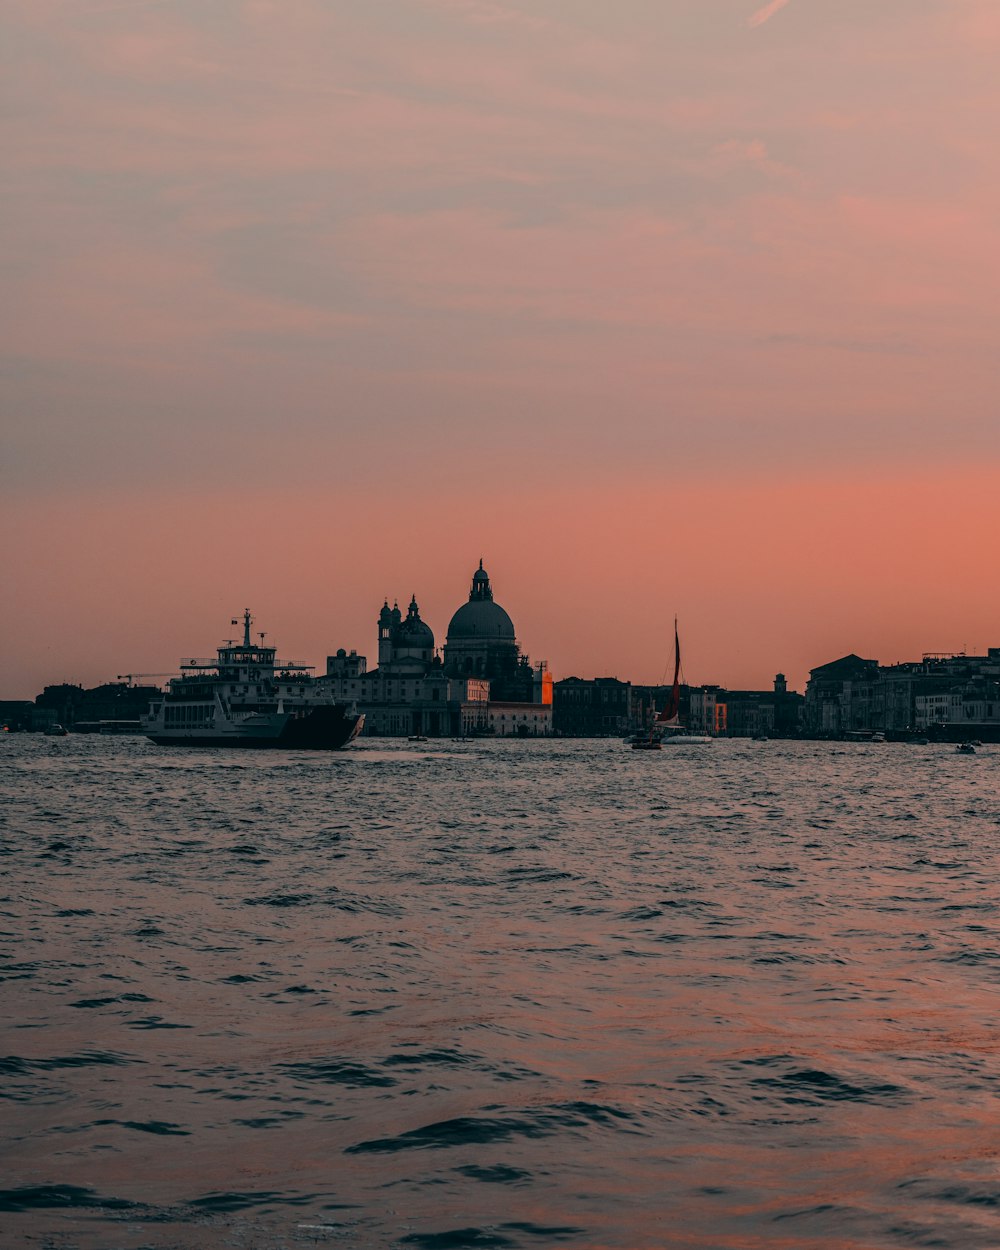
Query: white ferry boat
column 247, row 698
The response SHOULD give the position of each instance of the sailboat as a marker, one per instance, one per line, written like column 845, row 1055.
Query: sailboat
column 667, row 726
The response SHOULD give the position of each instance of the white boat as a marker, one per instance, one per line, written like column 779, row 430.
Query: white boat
column 247, row 698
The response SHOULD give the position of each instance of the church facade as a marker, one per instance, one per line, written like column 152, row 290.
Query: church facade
column 480, row 684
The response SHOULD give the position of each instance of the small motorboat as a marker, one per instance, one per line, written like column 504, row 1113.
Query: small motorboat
column 966, row 748
column 56, row 731
column 417, row 738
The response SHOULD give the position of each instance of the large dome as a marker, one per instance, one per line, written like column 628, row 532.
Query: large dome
column 481, row 620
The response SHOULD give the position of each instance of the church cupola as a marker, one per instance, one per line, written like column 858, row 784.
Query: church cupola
column 481, row 590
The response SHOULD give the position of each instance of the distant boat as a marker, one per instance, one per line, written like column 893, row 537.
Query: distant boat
column 966, row 748
column 417, row 738
column 56, row 731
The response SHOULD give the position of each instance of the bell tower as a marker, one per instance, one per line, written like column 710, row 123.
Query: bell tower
column 384, row 634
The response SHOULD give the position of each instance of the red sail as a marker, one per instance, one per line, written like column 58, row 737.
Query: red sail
column 672, row 709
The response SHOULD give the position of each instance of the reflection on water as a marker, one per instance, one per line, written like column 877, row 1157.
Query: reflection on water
column 499, row 994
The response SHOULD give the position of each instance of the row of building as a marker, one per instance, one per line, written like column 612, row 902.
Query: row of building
column 605, row 706
column 102, row 708
column 944, row 696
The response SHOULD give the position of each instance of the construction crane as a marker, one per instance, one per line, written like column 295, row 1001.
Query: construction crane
column 130, row 677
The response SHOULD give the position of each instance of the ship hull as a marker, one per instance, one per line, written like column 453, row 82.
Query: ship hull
column 321, row 729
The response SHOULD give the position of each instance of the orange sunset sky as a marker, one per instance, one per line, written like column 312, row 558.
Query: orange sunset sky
column 660, row 306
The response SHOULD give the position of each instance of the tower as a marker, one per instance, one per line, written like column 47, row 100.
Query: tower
column 384, row 634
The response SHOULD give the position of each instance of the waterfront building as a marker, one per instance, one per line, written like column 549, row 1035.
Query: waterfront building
column 73, row 706
column 941, row 689
column 605, row 706
column 754, row 713
column 15, row 715
column 519, row 720
column 481, row 684
column 969, row 710
column 707, row 713
column 599, row 707
column 747, row 713
column 839, row 696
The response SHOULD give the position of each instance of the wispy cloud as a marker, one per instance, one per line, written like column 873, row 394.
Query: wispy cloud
column 123, row 6
column 766, row 13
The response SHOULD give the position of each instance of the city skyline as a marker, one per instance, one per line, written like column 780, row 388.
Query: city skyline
column 664, row 308
column 281, row 631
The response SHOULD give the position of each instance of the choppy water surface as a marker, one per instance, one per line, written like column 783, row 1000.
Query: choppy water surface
column 504, row 995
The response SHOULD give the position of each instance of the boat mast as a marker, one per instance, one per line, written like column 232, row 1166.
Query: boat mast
column 675, row 693
column 672, row 710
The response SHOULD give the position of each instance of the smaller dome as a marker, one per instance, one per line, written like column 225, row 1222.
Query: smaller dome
column 413, row 633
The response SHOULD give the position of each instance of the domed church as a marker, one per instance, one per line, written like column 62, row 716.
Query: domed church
column 481, row 685
column 481, row 643
column 404, row 643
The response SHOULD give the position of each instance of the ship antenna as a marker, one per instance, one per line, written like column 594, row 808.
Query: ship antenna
column 247, row 618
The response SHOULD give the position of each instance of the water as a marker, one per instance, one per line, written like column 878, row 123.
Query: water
column 509, row 994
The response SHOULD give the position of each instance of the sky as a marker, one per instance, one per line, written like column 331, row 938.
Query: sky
column 662, row 307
